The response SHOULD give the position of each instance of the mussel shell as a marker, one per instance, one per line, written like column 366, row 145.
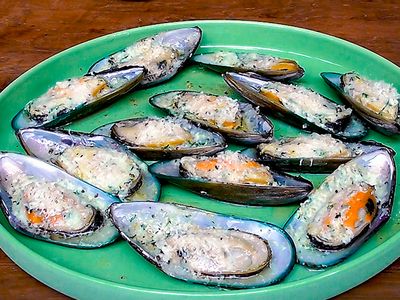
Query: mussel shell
column 215, row 142
column 281, row 245
column 185, row 40
column 207, row 60
column 290, row 188
column 308, row 254
column 314, row 165
column 262, row 127
column 123, row 80
column 248, row 85
column 101, row 235
column 334, row 80
column 48, row 145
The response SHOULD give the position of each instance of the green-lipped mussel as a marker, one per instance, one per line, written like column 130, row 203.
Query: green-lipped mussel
column 99, row 160
column 349, row 206
column 162, row 54
column 269, row 66
column 77, row 97
column 204, row 247
column 232, row 177
column 314, row 153
column 376, row 102
column 44, row 202
column 238, row 121
column 298, row 106
column 154, row 138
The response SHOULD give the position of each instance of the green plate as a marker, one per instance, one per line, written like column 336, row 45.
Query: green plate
column 117, row 270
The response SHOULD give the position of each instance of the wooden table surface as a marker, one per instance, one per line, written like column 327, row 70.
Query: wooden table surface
column 32, row 31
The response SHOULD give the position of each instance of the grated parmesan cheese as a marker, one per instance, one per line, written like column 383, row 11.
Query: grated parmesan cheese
column 110, row 170
column 306, row 103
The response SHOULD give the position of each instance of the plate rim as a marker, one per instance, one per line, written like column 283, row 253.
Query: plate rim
column 43, row 269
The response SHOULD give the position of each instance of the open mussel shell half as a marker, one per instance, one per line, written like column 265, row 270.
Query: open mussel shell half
column 97, row 159
column 298, row 106
column 265, row 65
column 154, row 138
column 314, row 153
column 240, row 122
column 373, row 114
column 77, row 97
column 282, row 188
column 162, row 54
column 44, row 202
column 349, row 206
column 205, row 247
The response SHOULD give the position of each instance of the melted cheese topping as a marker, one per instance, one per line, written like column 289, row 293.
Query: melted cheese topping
column 178, row 243
column 305, row 103
column 220, row 111
column 354, row 173
column 65, row 96
column 307, row 146
column 155, row 133
column 346, row 215
column 229, row 167
column 377, row 97
column 110, row 170
column 53, row 206
column 217, row 252
column 157, row 58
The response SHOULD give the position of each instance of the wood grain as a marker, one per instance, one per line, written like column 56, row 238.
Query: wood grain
column 32, row 31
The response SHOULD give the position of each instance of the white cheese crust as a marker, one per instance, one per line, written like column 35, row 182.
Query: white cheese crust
column 110, row 170
column 149, row 53
column 56, row 206
column 220, row 111
column 229, row 167
column 377, row 97
column 353, row 173
column 67, row 95
column 306, row 103
column 177, row 243
column 155, row 133
column 216, row 251
column 307, row 146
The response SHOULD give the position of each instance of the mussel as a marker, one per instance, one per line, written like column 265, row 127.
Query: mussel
column 268, row 66
column 154, row 138
column 376, row 102
column 314, row 153
column 204, row 247
column 98, row 160
column 76, row 97
column 238, row 121
column 233, row 177
column 162, row 54
column 298, row 106
column 349, row 206
column 44, row 202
